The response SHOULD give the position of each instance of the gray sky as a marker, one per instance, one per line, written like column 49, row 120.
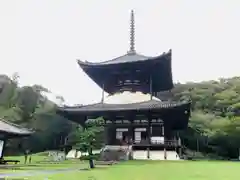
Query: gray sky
column 41, row 39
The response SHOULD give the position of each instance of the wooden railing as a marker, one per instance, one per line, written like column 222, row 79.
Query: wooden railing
column 158, row 142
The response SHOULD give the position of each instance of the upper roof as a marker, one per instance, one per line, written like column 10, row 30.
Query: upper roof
column 131, row 71
column 126, row 58
column 109, row 74
column 130, row 56
column 12, row 129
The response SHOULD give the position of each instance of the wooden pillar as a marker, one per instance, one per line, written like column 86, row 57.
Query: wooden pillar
column 109, row 131
column 113, row 130
column 149, row 129
column 149, row 135
column 163, row 131
column 175, row 143
column 150, row 88
column 102, row 100
column 106, row 135
column 179, row 144
column 111, row 135
column 131, row 128
column 180, row 151
column 165, row 151
column 131, row 135
column 105, row 132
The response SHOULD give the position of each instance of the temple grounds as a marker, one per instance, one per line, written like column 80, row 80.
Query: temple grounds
column 131, row 170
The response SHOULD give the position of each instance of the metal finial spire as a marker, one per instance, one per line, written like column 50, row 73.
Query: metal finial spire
column 132, row 34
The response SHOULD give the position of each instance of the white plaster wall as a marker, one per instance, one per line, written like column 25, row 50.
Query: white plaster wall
column 128, row 97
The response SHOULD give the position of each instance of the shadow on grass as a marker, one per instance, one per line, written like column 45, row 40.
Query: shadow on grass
column 33, row 167
column 49, row 167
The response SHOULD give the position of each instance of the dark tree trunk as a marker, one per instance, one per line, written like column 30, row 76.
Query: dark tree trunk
column 91, row 164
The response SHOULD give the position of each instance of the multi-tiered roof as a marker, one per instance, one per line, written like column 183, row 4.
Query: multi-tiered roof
column 134, row 73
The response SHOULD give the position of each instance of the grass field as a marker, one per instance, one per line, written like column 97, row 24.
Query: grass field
column 35, row 165
column 142, row 170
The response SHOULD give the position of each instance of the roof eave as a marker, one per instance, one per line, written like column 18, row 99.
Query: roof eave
column 9, row 135
column 83, row 64
column 19, row 132
column 82, row 109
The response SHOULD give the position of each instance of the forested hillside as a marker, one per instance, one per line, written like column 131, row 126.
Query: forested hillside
column 214, row 127
column 27, row 106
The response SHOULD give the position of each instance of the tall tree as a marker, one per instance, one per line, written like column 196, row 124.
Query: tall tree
column 87, row 137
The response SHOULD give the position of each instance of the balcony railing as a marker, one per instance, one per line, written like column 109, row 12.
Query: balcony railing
column 159, row 142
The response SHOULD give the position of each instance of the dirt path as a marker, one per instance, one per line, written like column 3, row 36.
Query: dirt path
column 38, row 172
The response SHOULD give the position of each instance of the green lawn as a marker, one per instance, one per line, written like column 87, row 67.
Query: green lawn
column 39, row 163
column 153, row 170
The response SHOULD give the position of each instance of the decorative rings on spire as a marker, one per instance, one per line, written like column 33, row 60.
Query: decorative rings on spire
column 132, row 34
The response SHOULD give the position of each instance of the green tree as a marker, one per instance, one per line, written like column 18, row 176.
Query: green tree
column 87, row 138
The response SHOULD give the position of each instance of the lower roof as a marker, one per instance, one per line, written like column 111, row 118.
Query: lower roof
column 11, row 129
column 175, row 114
column 146, row 105
column 112, row 75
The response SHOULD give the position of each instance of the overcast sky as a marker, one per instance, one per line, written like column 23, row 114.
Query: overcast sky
column 41, row 39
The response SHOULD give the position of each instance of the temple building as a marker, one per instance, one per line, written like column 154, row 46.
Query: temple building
column 136, row 120
column 9, row 131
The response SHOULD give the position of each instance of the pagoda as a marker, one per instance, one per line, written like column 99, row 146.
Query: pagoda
column 135, row 119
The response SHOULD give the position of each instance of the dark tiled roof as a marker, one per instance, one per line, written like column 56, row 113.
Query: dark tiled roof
column 147, row 105
column 13, row 129
column 127, row 58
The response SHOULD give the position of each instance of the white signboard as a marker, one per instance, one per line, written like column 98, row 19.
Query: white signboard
column 157, row 140
column 1, row 147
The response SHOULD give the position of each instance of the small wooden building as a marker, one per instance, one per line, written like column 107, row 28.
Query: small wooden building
column 8, row 131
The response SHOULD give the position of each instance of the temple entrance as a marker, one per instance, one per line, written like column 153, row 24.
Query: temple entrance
column 140, row 135
column 122, row 136
column 125, row 137
column 143, row 137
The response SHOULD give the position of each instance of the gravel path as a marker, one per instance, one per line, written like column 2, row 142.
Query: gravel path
column 38, row 172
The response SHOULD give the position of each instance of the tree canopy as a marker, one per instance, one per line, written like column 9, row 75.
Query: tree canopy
column 215, row 118
column 27, row 106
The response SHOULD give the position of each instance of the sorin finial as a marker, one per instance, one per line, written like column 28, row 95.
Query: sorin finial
column 132, row 34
